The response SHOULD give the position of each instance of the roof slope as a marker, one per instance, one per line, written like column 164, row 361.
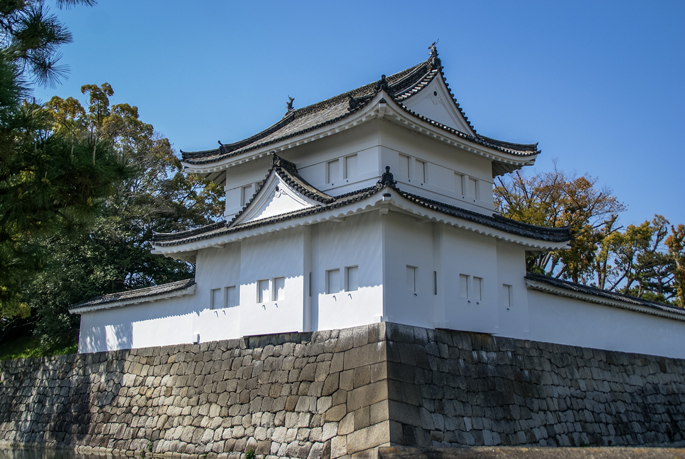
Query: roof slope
column 493, row 221
column 147, row 292
column 399, row 87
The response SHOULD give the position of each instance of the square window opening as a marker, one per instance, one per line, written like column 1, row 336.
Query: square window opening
column 332, row 281
column 279, row 288
column 351, row 278
column 230, row 297
column 215, row 299
column 411, row 278
column 263, row 291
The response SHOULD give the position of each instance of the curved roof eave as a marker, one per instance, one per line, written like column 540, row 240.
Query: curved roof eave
column 374, row 108
column 363, row 201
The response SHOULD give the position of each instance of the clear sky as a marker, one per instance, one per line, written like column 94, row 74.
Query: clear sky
column 599, row 84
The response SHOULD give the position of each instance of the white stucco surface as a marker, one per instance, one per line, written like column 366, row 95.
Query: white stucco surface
column 556, row 319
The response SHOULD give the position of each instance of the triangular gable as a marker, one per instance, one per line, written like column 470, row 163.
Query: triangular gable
column 275, row 197
column 435, row 102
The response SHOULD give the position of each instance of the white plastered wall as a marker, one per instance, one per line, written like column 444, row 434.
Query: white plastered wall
column 562, row 320
column 158, row 323
column 435, row 103
column 474, row 256
column 354, row 242
column 445, row 167
column 216, row 269
column 408, row 245
column 512, row 303
column 268, row 257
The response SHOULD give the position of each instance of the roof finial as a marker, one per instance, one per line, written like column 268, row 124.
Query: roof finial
column 387, row 178
column 290, row 103
column 222, row 149
column 434, row 59
column 353, row 102
column 382, row 84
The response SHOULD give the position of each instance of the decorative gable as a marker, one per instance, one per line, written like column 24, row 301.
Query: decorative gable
column 436, row 103
column 276, row 197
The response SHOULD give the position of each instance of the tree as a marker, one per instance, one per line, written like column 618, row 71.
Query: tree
column 45, row 184
column 113, row 253
column 676, row 248
column 555, row 200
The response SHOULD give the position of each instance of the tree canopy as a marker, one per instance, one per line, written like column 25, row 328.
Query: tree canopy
column 640, row 260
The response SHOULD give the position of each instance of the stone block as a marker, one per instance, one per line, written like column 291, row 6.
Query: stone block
column 367, row 395
column 331, row 384
column 335, row 413
column 362, row 376
column 368, row 437
column 365, row 355
column 338, row 447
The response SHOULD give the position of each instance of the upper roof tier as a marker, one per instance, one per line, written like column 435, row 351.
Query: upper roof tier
column 399, row 87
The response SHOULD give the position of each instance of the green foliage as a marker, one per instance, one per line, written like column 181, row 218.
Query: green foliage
column 250, row 454
column 633, row 261
column 24, row 347
column 113, row 253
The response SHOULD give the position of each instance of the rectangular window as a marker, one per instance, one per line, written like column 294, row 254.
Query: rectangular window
column 506, row 295
column 215, row 299
column 420, row 168
column 332, row 171
column 350, row 166
column 263, row 291
column 477, row 288
column 333, row 281
column 411, row 278
column 403, row 169
column 279, row 288
column 473, row 188
column 351, row 279
column 463, row 285
column 245, row 194
column 459, row 183
column 435, row 282
column 230, row 297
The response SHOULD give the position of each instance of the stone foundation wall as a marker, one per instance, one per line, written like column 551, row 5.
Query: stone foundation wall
column 462, row 389
column 295, row 395
column 342, row 393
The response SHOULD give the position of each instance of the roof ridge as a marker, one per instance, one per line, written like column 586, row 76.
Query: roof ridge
column 360, row 92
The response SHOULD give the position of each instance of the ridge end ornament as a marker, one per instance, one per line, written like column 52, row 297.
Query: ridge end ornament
column 435, row 62
column 387, row 179
column 382, row 84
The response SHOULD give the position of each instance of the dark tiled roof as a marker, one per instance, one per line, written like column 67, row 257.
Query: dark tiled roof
column 594, row 291
column 138, row 293
column 399, row 86
column 493, row 221
column 288, row 172
column 210, row 231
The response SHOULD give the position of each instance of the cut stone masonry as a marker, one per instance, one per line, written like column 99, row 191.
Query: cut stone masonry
column 342, row 393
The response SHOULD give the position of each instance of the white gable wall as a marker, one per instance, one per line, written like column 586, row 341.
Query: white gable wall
column 435, row 103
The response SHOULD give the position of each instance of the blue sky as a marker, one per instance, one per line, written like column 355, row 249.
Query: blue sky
column 599, row 84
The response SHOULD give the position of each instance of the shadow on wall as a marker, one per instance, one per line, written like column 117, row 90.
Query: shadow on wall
column 105, row 337
column 56, row 409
